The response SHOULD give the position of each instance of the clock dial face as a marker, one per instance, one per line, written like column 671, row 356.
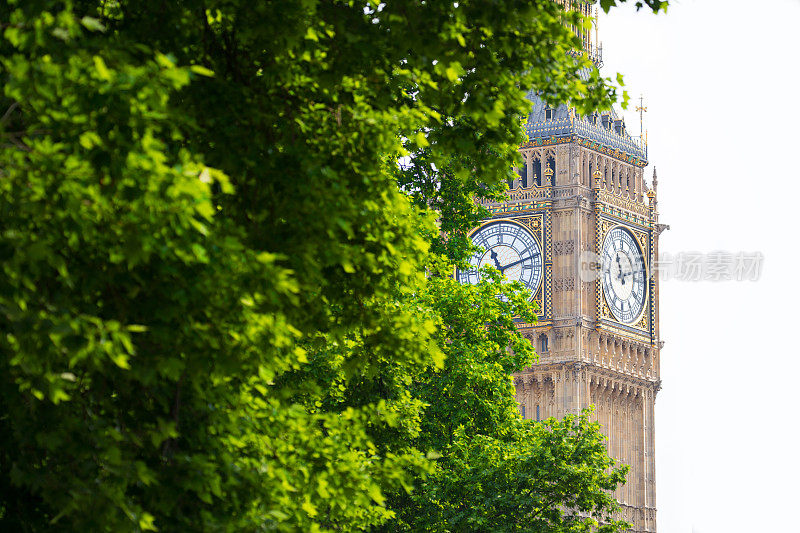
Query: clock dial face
column 624, row 275
column 511, row 249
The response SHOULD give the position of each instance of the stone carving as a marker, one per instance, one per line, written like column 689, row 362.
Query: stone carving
column 563, row 247
column 563, row 284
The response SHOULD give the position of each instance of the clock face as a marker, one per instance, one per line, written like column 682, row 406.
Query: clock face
column 624, row 275
column 511, row 249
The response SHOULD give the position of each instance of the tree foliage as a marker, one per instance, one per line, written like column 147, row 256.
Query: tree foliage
column 498, row 472
column 224, row 302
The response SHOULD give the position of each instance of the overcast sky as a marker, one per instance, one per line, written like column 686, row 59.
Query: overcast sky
column 721, row 84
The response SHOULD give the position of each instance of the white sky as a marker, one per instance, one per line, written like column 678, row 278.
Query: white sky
column 722, row 88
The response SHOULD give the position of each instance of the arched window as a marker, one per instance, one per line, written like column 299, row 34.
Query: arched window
column 523, row 173
column 543, row 343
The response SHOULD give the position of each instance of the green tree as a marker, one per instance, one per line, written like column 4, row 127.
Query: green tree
column 214, row 308
column 498, row 472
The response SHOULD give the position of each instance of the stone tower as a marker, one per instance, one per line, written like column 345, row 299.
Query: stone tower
column 580, row 229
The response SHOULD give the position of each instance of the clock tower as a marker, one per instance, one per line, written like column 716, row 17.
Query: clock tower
column 580, row 229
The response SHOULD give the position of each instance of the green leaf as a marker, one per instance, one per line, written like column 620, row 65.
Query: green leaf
column 101, row 69
column 121, row 360
column 201, row 70
column 147, row 522
column 376, row 494
column 92, row 24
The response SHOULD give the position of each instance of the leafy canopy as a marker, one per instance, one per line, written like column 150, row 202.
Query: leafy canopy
column 223, row 301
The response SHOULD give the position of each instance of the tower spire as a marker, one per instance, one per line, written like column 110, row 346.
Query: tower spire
column 654, row 198
column 655, row 180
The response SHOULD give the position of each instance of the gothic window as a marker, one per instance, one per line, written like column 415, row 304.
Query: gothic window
column 548, row 113
column 537, row 413
column 537, row 171
column 523, row 173
column 542, row 343
column 522, row 410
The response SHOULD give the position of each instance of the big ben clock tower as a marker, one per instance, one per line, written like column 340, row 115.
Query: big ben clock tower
column 580, row 230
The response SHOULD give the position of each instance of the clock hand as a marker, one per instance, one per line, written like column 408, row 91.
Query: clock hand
column 496, row 262
column 502, row 269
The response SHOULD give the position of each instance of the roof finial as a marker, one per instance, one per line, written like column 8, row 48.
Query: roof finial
column 596, row 27
column 641, row 109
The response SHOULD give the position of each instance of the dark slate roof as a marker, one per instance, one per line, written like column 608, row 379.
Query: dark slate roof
column 610, row 133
